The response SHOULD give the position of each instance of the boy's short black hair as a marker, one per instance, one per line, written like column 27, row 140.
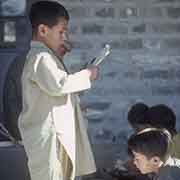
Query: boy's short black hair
column 136, row 114
column 151, row 143
column 161, row 116
column 158, row 116
column 48, row 13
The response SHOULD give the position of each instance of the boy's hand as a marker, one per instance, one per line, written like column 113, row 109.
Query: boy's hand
column 94, row 72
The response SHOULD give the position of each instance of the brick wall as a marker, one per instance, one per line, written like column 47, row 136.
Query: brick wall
column 144, row 64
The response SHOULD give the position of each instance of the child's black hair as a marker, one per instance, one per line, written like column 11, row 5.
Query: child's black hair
column 141, row 116
column 136, row 114
column 48, row 13
column 161, row 116
column 151, row 143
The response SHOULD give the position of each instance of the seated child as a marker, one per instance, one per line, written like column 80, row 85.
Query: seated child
column 149, row 150
column 136, row 116
column 140, row 116
column 162, row 116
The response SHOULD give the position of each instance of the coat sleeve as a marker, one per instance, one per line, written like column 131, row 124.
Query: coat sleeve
column 56, row 82
column 175, row 146
column 169, row 173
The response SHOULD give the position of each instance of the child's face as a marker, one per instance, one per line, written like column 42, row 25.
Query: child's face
column 54, row 38
column 144, row 164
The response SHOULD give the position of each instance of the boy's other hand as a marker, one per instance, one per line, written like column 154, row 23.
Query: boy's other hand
column 94, row 72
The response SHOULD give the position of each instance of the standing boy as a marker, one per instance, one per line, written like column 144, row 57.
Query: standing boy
column 51, row 123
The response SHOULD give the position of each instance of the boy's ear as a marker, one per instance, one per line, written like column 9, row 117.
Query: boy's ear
column 156, row 161
column 43, row 30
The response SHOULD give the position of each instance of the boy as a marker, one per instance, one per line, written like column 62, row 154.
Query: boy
column 51, row 123
column 140, row 116
column 136, row 116
column 161, row 116
column 150, row 154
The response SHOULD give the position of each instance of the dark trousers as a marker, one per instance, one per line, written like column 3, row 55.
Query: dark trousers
column 13, row 163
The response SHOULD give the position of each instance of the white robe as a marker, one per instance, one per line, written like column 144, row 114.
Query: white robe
column 51, row 123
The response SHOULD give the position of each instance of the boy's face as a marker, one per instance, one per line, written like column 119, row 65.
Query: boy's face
column 144, row 164
column 54, row 36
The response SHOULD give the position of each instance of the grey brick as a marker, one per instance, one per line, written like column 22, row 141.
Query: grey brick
column 152, row 44
column 131, row 74
column 99, row 105
column 92, row 29
column 75, row 67
column 118, row 44
column 135, row 44
column 177, row 90
column 162, row 90
column 118, row 29
column 170, row 1
column 64, row 1
column 128, row 12
column 73, row 29
column 149, row 12
column 141, row 28
column 158, row 73
column 166, row 90
column 105, row 12
column 173, row 43
column 176, row 59
column 177, row 74
column 104, row 135
column 81, row 45
column 126, row 90
column 122, row 137
column 173, row 12
column 78, row 12
column 111, row 74
column 93, row 120
column 165, row 28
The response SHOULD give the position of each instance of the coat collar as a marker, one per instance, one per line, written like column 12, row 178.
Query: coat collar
column 38, row 44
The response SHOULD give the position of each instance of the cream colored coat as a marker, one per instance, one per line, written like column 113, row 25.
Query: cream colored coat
column 51, row 123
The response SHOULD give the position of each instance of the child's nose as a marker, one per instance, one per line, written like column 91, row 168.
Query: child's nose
column 65, row 36
column 67, row 43
column 135, row 162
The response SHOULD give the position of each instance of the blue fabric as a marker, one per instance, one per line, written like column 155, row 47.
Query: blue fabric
column 13, row 163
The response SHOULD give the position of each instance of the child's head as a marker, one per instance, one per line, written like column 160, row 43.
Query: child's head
column 136, row 116
column 49, row 22
column 141, row 116
column 149, row 149
column 161, row 116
